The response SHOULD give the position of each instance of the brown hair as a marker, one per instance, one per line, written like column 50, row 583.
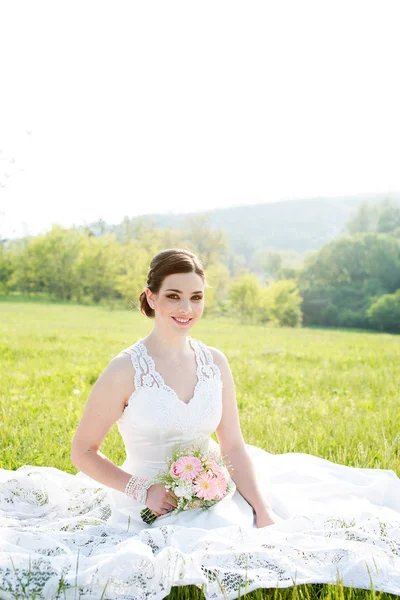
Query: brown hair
column 167, row 262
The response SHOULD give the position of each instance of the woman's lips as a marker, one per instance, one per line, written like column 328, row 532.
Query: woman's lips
column 181, row 324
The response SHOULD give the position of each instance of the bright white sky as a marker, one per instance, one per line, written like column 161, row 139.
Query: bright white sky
column 125, row 108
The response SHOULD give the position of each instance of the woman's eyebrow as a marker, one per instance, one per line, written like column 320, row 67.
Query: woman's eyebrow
column 180, row 292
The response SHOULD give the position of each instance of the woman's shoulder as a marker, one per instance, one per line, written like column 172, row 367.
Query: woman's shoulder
column 127, row 356
column 123, row 362
column 122, row 369
column 120, row 366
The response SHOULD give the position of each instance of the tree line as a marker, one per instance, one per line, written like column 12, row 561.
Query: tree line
column 353, row 281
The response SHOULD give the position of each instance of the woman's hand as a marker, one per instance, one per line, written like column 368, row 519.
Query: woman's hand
column 159, row 500
column 263, row 518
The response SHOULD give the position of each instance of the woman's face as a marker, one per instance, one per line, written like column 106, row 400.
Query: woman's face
column 181, row 296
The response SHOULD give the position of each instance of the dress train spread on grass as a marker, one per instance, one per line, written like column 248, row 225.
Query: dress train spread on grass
column 68, row 536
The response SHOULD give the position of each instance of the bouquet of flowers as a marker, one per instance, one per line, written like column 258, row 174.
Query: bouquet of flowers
column 199, row 479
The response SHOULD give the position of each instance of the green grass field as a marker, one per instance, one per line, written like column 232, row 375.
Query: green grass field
column 331, row 393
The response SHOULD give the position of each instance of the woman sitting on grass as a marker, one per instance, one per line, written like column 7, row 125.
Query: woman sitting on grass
column 183, row 509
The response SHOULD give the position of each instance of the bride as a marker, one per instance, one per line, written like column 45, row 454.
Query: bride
column 292, row 518
column 181, row 388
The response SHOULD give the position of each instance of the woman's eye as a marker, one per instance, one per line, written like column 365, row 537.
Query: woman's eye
column 175, row 296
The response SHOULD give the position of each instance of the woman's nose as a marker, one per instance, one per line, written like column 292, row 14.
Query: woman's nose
column 186, row 306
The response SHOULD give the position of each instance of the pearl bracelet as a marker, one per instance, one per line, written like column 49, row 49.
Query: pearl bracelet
column 137, row 488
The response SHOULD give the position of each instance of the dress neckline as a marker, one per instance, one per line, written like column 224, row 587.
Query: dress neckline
column 160, row 378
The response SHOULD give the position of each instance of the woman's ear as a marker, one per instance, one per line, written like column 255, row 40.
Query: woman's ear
column 149, row 297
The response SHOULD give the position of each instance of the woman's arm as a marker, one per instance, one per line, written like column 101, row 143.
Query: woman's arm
column 103, row 408
column 105, row 405
column 232, row 444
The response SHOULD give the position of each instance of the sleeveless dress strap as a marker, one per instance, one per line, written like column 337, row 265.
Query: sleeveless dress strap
column 207, row 367
column 145, row 375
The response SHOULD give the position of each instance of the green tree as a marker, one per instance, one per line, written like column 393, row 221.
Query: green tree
column 364, row 220
column 132, row 278
column 354, row 260
column 389, row 217
column 47, row 263
column 97, row 267
column 281, row 303
column 339, row 283
column 209, row 243
column 245, row 295
column 218, row 281
column 6, row 267
column 384, row 313
column 288, row 273
column 376, row 217
column 272, row 263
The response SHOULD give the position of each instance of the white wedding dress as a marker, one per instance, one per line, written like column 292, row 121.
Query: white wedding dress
column 333, row 523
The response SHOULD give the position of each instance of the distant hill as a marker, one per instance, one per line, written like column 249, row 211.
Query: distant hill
column 300, row 225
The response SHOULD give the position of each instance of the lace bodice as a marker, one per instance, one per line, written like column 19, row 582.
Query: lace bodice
column 155, row 418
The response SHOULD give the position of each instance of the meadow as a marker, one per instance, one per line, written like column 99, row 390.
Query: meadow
column 328, row 392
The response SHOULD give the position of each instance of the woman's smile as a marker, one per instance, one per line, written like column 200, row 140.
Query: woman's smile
column 181, row 322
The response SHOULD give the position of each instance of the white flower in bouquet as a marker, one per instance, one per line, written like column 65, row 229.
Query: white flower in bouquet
column 184, row 490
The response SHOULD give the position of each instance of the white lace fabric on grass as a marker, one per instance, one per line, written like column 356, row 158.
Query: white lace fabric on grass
column 80, row 539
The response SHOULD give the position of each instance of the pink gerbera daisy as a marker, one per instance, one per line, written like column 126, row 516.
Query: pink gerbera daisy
column 205, row 486
column 221, row 486
column 211, row 465
column 187, row 467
